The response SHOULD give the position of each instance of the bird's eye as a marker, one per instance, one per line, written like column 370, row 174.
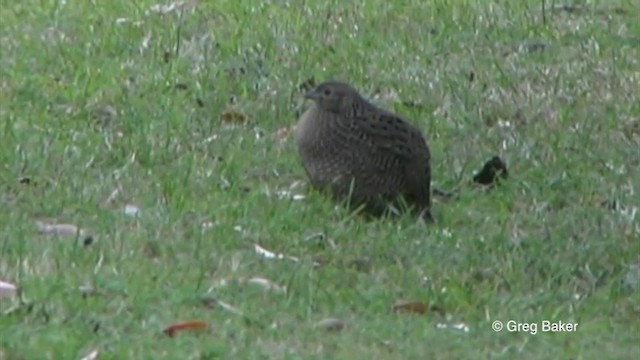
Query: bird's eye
column 327, row 92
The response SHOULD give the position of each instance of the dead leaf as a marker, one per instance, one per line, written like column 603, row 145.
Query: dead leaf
column 416, row 307
column 7, row 289
column 64, row 230
column 233, row 118
column 25, row 180
column 330, row 324
column 194, row 325
column 493, row 171
column 58, row 229
column 267, row 284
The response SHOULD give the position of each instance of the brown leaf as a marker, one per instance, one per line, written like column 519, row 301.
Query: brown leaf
column 233, row 118
column 193, row 325
column 415, row 307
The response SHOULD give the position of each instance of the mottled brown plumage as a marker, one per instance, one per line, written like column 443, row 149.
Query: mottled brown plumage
column 363, row 154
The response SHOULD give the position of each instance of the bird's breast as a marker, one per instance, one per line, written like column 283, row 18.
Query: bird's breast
column 304, row 129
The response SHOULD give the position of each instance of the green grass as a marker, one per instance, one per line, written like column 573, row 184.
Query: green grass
column 90, row 104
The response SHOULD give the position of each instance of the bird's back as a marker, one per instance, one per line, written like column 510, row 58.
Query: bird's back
column 401, row 156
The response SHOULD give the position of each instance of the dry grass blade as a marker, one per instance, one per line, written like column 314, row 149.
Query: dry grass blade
column 91, row 355
column 165, row 9
column 7, row 289
column 330, row 324
column 271, row 255
column 267, row 284
column 457, row 326
column 58, row 229
column 64, row 230
column 230, row 308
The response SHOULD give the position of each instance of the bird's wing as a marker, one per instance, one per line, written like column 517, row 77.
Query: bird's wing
column 391, row 134
column 400, row 146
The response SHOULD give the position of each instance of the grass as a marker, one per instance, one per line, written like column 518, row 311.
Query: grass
column 103, row 96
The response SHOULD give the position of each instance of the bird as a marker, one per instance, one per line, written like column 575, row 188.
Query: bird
column 362, row 155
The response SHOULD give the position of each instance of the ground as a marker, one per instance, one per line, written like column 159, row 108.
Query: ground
column 181, row 112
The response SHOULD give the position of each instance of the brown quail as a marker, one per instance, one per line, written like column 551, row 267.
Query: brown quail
column 362, row 154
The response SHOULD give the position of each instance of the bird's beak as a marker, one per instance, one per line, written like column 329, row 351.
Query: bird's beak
column 311, row 95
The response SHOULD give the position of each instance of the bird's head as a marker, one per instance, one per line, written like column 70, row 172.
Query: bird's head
column 333, row 96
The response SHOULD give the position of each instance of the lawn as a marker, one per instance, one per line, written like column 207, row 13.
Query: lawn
column 163, row 132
